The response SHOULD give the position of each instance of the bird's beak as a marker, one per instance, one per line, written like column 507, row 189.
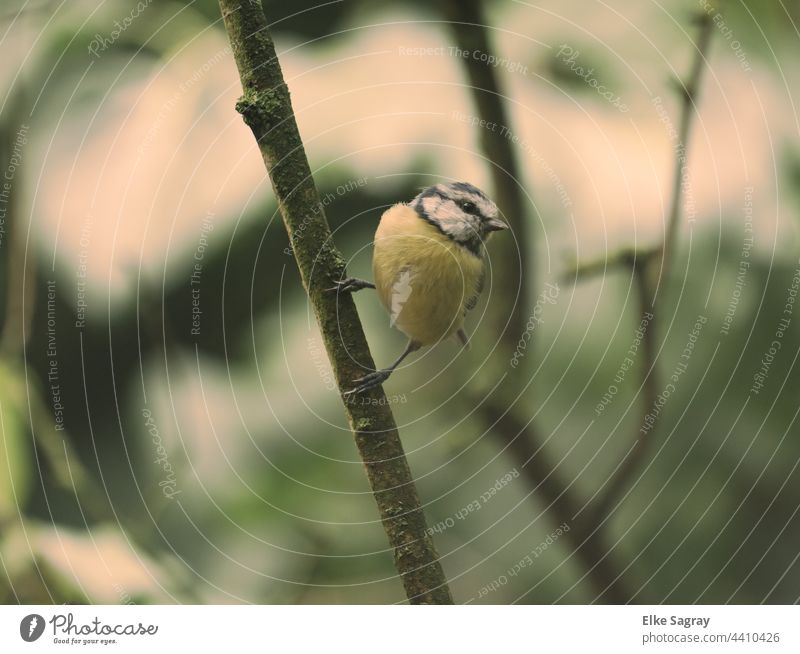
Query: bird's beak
column 495, row 225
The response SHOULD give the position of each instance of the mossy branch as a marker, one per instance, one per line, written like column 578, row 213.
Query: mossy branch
column 267, row 110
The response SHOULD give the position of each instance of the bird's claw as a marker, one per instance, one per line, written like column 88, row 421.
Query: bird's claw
column 366, row 382
column 350, row 285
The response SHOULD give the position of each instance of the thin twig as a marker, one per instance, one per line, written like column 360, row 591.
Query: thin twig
column 689, row 92
column 649, row 385
column 647, row 287
column 267, row 110
column 625, row 259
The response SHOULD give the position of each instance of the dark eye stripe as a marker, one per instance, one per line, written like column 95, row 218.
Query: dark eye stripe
column 469, row 207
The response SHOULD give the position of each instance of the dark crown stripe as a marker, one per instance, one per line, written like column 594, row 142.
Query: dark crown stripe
column 466, row 187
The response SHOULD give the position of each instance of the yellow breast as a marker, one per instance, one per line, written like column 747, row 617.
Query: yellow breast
column 423, row 278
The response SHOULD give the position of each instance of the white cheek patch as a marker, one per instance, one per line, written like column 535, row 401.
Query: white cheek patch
column 447, row 212
column 485, row 206
column 441, row 208
column 451, row 219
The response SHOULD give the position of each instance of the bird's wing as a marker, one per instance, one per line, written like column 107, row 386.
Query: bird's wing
column 478, row 289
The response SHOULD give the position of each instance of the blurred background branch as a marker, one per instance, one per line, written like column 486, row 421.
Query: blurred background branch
column 510, row 258
column 689, row 91
column 650, row 270
column 20, row 262
column 520, row 439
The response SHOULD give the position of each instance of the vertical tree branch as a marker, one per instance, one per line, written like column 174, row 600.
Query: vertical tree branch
column 468, row 27
column 521, row 440
column 551, row 490
column 20, row 261
column 267, row 110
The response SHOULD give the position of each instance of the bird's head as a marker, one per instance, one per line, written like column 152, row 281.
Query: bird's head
column 461, row 212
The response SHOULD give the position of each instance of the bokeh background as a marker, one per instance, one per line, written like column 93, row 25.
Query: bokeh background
column 170, row 429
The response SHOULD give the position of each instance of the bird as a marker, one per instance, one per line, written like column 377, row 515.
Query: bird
column 428, row 266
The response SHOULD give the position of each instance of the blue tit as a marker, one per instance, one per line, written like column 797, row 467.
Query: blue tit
column 428, row 264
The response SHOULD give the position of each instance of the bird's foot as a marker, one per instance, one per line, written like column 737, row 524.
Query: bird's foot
column 371, row 380
column 351, row 285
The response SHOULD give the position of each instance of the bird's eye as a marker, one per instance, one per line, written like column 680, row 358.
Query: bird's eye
column 468, row 207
